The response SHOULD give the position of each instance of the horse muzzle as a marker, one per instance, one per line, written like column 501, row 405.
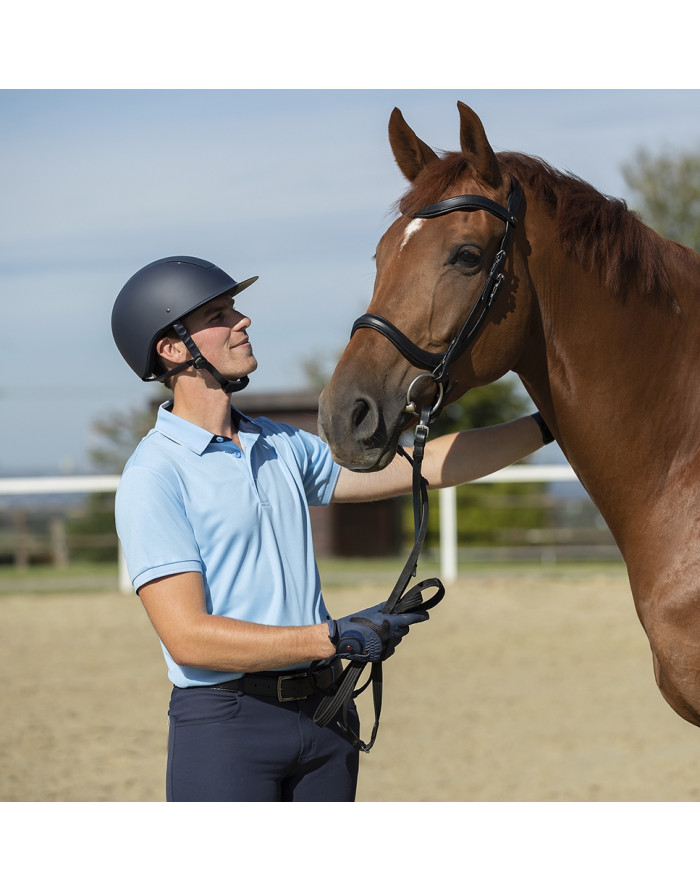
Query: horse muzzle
column 362, row 431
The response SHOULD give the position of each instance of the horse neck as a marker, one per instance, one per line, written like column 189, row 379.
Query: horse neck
column 614, row 375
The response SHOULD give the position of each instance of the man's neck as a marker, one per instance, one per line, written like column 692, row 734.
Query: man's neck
column 207, row 407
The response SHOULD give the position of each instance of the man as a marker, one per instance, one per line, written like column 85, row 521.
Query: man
column 212, row 513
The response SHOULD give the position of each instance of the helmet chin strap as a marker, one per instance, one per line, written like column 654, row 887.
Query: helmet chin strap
column 199, row 362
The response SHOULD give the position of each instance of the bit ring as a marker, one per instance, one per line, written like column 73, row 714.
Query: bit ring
column 410, row 404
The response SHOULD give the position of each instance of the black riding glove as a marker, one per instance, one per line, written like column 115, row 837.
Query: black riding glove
column 370, row 635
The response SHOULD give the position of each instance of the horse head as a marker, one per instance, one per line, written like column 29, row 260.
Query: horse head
column 444, row 261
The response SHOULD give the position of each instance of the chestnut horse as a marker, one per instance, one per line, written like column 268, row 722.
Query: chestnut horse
column 597, row 314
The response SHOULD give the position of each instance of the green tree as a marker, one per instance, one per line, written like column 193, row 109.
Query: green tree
column 667, row 190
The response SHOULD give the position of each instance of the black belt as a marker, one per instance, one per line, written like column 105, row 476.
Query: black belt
column 296, row 686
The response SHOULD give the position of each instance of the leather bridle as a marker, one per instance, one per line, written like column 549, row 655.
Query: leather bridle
column 438, row 364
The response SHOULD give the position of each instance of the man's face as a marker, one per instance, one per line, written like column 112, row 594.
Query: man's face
column 221, row 333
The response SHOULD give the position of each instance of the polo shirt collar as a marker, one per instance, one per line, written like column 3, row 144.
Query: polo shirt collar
column 190, row 435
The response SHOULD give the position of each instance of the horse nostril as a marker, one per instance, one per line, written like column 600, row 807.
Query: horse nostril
column 364, row 419
column 367, row 423
column 360, row 412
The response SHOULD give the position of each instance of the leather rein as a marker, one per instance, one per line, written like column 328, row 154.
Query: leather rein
column 336, row 703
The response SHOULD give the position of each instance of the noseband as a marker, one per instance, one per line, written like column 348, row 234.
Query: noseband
column 438, row 364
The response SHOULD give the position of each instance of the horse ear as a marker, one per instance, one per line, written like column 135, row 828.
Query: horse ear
column 476, row 147
column 411, row 153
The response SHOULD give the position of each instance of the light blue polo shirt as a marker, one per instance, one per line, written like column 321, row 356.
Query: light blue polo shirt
column 190, row 502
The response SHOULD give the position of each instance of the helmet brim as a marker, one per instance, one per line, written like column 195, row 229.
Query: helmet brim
column 245, row 284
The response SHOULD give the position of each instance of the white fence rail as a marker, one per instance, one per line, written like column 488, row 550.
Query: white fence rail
column 24, row 486
column 519, row 473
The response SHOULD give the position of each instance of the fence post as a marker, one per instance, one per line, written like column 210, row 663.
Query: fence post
column 21, row 539
column 59, row 542
column 448, row 533
column 123, row 580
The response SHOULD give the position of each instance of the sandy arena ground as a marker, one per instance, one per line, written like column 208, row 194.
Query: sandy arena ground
column 529, row 687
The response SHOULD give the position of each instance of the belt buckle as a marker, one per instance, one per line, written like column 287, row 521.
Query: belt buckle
column 280, row 697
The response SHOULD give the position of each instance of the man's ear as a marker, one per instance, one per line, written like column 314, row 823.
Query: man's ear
column 171, row 349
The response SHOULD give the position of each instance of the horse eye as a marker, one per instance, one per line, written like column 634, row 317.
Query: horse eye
column 467, row 255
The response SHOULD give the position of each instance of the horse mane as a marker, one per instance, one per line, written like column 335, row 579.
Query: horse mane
column 597, row 231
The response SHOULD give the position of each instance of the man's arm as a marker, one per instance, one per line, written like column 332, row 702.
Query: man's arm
column 176, row 607
column 448, row 461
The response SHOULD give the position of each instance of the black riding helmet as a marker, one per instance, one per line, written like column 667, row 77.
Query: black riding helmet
column 155, row 299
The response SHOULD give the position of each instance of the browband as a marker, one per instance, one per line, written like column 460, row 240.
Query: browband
column 466, row 203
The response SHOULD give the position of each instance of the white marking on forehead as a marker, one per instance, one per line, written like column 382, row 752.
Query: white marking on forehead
column 412, row 228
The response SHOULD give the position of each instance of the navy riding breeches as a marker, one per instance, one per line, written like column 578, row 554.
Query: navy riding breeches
column 225, row 746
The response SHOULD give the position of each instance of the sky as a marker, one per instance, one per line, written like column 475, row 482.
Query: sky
column 295, row 186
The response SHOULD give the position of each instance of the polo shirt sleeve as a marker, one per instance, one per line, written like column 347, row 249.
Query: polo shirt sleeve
column 152, row 525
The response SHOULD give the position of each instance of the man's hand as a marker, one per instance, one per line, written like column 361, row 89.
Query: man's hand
column 370, row 635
